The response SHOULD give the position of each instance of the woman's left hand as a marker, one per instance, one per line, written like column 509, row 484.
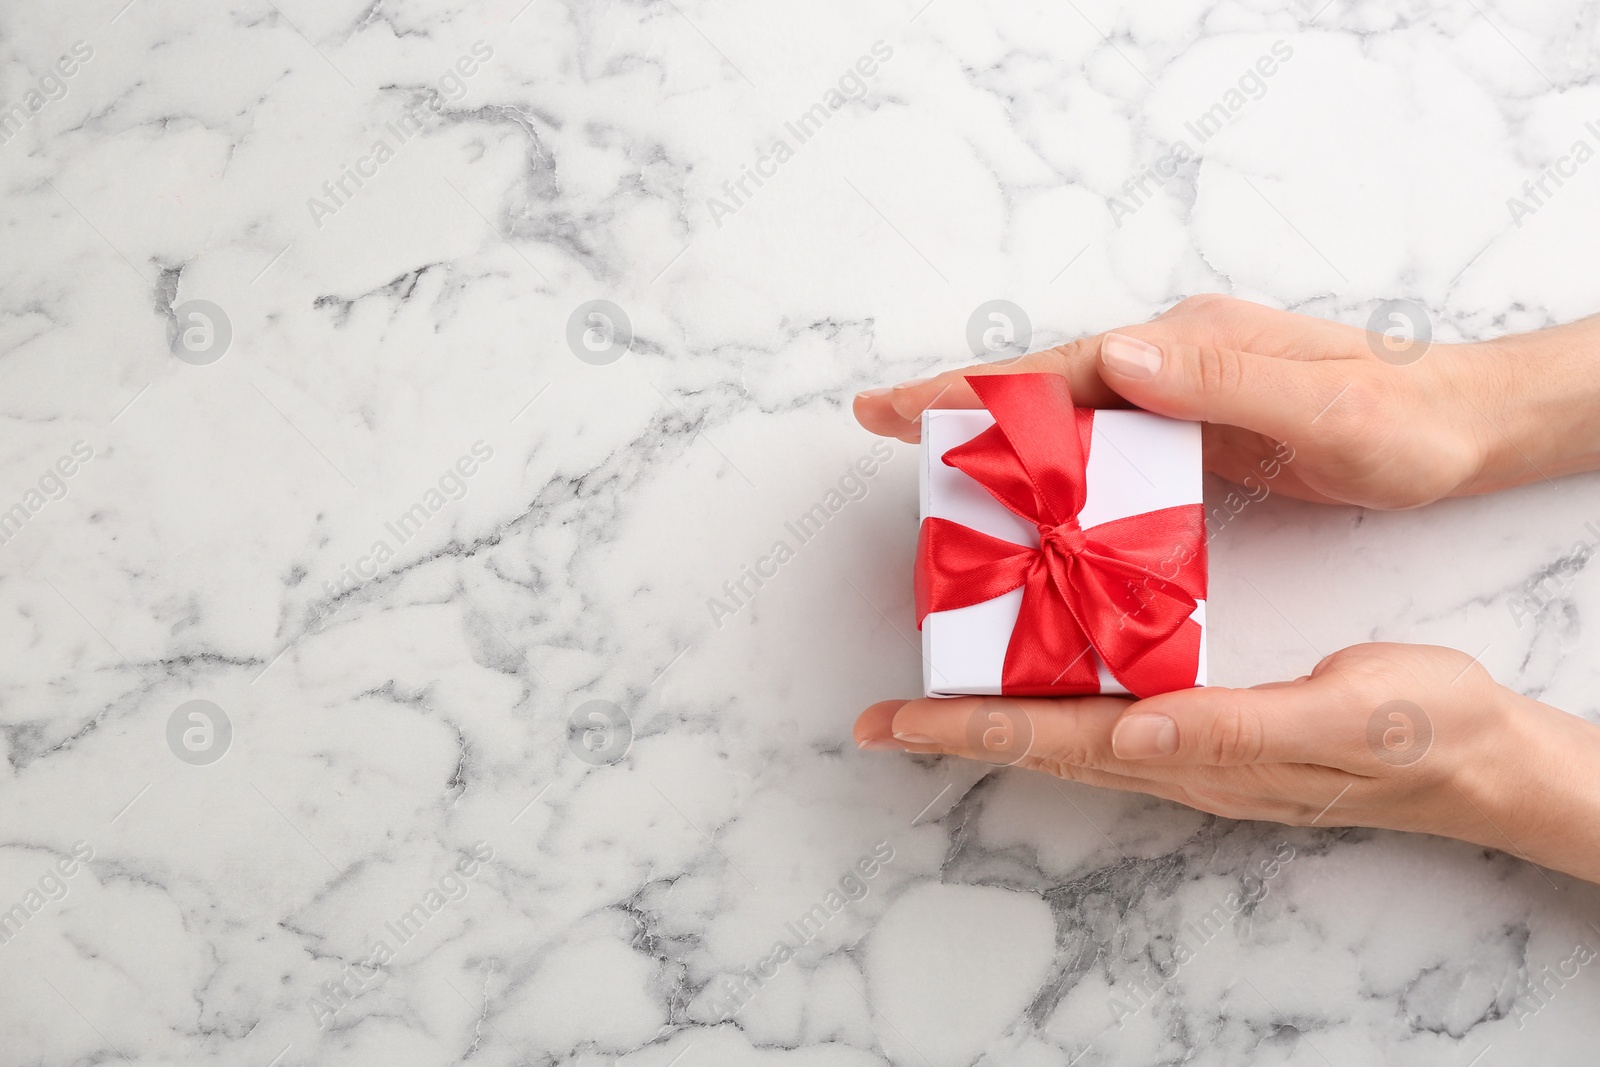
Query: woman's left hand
column 1406, row 737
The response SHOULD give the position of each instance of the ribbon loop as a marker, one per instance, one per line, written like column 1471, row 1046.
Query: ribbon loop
column 1123, row 590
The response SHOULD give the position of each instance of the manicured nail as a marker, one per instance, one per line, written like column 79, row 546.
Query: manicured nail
column 1129, row 356
column 912, row 383
column 1144, row 737
column 915, row 739
column 871, row 745
column 873, row 394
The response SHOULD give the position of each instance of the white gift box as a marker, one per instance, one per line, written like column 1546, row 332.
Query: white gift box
column 1138, row 462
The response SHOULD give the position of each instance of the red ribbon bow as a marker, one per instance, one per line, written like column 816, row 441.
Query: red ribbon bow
column 1125, row 588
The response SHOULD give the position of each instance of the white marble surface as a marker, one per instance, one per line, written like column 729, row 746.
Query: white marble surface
column 379, row 733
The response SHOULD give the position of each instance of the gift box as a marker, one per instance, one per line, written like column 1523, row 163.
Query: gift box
column 1062, row 550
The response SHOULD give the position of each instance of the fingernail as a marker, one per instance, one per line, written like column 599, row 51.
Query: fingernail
column 877, row 745
column 873, row 394
column 1129, row 356
column 1144, row 737
column 911, row 383
column 915, row 739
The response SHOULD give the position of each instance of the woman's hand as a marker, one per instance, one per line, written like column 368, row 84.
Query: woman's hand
column 1405, row 737
column 1393, row 432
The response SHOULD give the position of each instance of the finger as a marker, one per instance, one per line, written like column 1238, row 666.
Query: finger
column 1071, row 739
column 1072, row 732
column 1220, row 727
column 897, row 411
column 873, row 411
column 875, row 727
column 1067, row 738
column 1207, row 383
column 1256, row 464
column 1075, row 361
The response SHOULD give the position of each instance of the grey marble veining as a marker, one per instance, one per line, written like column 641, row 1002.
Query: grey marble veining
column 419, row 387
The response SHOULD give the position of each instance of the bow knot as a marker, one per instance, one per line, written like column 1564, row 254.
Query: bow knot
column 1066, row 538
column 1128, row 598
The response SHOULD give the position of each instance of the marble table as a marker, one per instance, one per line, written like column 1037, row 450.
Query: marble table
column 403, row 405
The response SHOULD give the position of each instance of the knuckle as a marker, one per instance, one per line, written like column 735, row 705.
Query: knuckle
column 1062, row 358
column 1365, row 675
column 1235, row 737
column 1069, row 761
column 1200, row 302
column 1054, row 766
column 1043, row 359
column 1217, row 371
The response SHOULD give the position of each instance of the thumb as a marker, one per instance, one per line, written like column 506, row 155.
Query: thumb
column 1297, row 722
column 1204, row 383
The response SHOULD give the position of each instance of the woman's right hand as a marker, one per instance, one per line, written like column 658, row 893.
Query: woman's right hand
column 1310, row 405
column 1406, row 737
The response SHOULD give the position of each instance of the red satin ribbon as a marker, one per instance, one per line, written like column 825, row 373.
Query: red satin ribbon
column 1124, row 589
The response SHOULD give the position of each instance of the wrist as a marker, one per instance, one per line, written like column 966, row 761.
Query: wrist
column 1537, row 793
column 1528, row 404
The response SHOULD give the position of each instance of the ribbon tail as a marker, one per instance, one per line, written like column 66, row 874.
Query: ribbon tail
column 1049, row 653
column 1172, row 664
column 1133, row 619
